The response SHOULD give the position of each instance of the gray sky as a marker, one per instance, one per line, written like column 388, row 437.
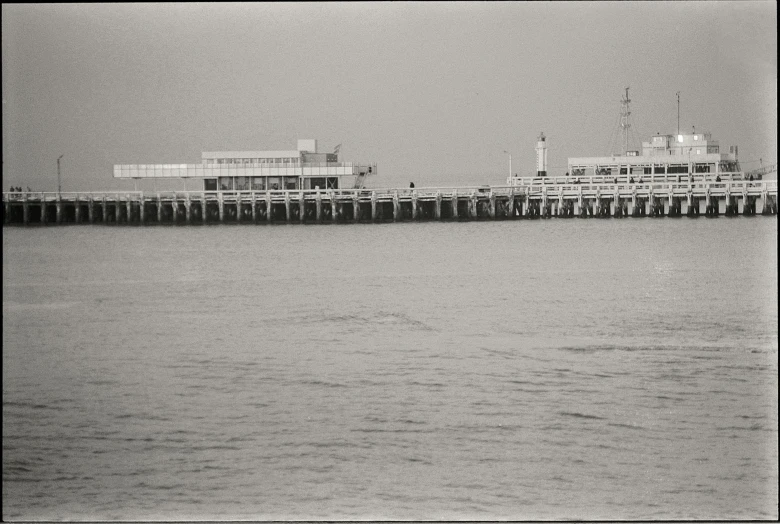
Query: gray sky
column 431, row 92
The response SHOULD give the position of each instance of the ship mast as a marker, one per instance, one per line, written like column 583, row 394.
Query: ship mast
column 678, row 114
column 625, row 111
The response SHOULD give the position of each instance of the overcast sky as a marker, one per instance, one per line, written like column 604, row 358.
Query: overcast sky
column 432, row 93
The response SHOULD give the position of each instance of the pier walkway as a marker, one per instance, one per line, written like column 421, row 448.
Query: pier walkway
column 529, row 198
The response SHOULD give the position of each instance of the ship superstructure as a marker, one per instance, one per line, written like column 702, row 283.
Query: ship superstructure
column 664, row 154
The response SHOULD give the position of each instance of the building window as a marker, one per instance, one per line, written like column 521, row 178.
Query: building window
column 258, row 183
column 274, row 183
column 225, row 183
column 317, row 183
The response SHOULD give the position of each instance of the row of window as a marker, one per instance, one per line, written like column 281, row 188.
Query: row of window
column 659, row 170
column 264, row 183
column 249, row 161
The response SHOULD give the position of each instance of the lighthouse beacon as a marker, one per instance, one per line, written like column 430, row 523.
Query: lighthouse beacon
column 541, row 156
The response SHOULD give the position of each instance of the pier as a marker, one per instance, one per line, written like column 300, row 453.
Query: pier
column 529, row 199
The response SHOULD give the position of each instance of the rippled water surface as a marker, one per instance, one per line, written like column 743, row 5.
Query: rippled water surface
column 598, row 369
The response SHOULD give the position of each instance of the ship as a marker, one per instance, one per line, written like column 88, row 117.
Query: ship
column 665, row 157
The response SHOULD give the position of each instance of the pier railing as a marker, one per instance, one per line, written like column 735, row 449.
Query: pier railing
column 537, row 199
column 633, row 178
column 532, row 187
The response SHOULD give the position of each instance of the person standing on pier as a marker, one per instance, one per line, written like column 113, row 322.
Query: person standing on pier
column 411, row 185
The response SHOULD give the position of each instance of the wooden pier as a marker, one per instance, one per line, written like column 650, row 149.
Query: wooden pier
column 534, row 199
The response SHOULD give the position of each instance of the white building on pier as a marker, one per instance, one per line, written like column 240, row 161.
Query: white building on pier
column 302, row 168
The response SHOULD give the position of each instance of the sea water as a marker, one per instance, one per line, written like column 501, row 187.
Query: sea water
column 549, row 369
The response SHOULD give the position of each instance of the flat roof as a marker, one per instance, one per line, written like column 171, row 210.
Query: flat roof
column 251, row 154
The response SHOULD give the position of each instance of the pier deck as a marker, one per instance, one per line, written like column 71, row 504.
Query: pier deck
column 534, row 199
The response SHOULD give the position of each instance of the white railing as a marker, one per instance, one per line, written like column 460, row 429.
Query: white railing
column 732, row 186
column 634, row 178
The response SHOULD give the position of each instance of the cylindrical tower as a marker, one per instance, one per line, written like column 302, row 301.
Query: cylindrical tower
column 541, row 156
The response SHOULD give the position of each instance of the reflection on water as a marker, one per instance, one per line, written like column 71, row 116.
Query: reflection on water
column 598, row 369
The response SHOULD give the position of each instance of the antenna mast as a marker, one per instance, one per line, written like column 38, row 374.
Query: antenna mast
column 678, row 113
column 624, row 124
